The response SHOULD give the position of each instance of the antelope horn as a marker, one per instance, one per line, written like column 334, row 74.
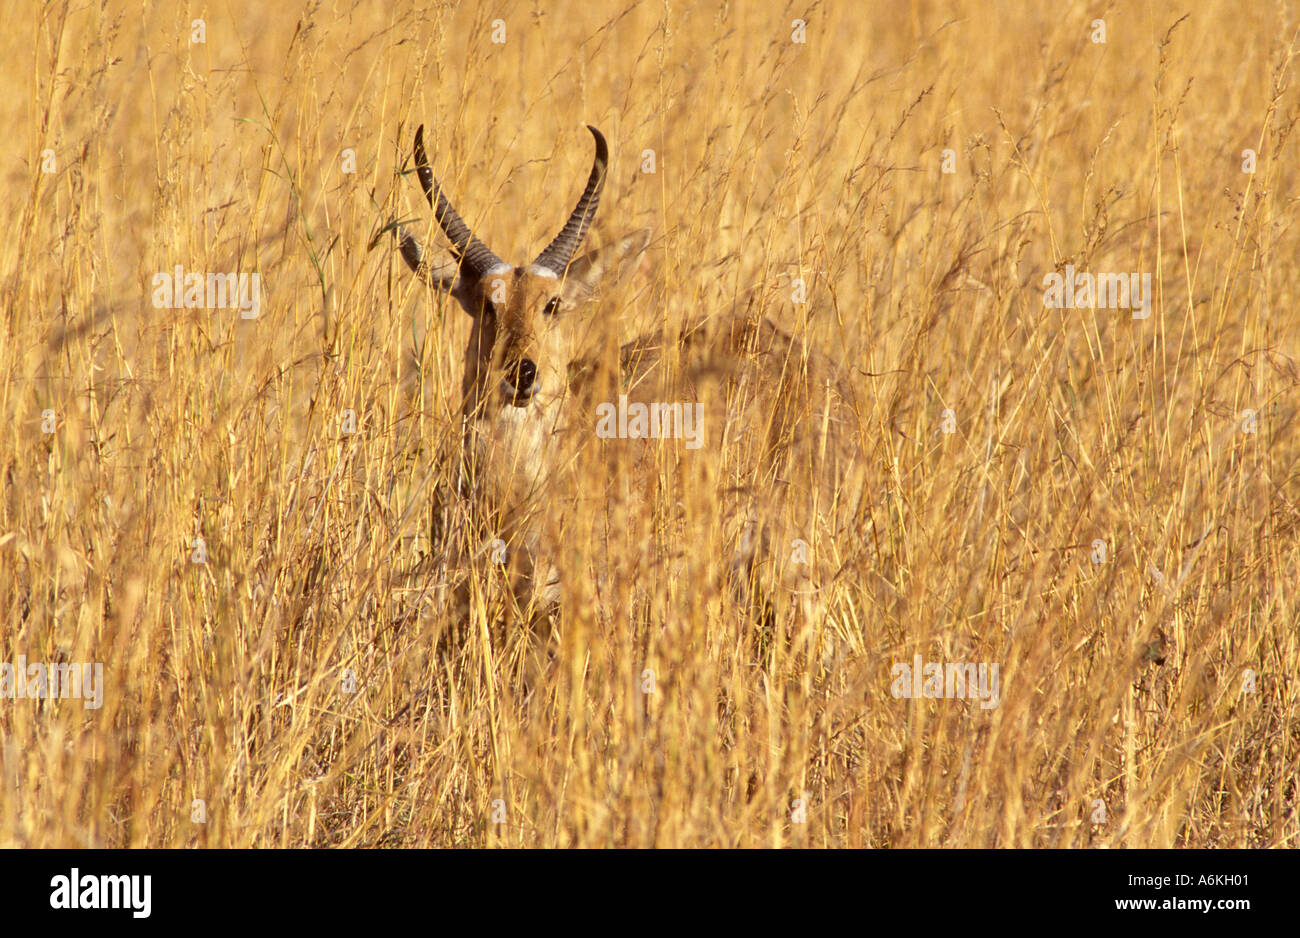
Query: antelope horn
column 469, row 250
column 559, row 252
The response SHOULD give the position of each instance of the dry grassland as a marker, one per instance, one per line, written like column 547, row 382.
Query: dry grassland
column 1104, row 506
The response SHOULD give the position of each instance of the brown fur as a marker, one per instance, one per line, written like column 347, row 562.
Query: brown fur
column 754, row 380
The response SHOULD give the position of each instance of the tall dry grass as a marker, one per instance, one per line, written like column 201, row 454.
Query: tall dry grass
column 293, row 684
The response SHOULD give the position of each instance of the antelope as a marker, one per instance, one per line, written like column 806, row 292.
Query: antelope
column 528, row 391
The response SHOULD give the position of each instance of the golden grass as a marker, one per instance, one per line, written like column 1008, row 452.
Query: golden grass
column 1121, row 682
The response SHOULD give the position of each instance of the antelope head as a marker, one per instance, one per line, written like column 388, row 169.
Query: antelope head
column 520, row 346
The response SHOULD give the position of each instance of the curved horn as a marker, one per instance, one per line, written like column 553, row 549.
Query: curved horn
column 469, row 249
column 559, row 252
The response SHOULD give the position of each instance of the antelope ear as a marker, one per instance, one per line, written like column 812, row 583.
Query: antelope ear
column 439, row 272
column 610, row 262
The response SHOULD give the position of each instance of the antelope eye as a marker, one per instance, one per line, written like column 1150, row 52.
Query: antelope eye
column 551, row 307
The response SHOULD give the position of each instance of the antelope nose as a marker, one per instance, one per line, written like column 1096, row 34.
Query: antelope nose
column 523, row 375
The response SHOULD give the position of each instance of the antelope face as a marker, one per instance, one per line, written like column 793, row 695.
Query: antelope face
column 522, row 341
column 518, row 355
